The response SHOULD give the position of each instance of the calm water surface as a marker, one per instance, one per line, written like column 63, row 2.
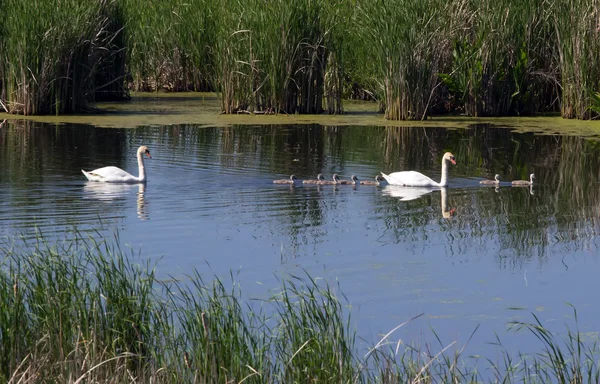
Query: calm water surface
column 463, row 256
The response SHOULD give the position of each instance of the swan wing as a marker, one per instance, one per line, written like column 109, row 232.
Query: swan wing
column 110, row 175
column 409, row 178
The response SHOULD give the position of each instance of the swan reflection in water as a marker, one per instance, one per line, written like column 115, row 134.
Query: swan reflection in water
column 115, row 192
column 529, row 187
column 413, row 193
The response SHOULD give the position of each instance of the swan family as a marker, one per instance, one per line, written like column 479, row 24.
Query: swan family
column 335, row 180
column 113, row 174
column 417, row 179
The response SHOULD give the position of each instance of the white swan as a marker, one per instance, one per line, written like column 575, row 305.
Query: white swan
column 117, row 175
column 496, row 181
column 417, row 179
column 524, row 182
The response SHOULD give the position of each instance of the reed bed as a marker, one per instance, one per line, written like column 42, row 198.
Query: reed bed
column 86, row 311
column 481, row 58
column 52, row 54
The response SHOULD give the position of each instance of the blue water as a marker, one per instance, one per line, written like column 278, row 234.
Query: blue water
column 464, row 257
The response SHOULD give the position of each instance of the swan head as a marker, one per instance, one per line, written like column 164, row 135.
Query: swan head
column 531, row 177
column 379, row 178
column 293, row 178
column 497, row 177
column 354, row 178
column 144, row 150
column 336, row 177
column 448, row 156
column 320, row 177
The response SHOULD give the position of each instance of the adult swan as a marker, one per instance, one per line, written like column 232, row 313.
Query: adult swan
column 117, row 175
column 417, row 179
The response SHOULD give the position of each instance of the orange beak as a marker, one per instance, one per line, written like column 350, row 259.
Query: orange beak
column 453, row 161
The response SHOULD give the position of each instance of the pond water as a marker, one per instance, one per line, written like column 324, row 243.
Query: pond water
column 463, row 256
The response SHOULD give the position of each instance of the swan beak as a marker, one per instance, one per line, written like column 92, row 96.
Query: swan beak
column 148, row 154
column 453, row 161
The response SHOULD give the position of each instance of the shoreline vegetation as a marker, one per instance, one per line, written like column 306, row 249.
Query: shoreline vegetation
column 83, row 311
column 415, row 58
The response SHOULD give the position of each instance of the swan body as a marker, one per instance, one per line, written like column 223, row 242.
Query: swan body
column 353, row 181
column 335, row 180
column 496, row 181
column 319, row 178
column 378, row 180
column 524, row 182
column 117, row 175
column 417, row 179
column 291, row 181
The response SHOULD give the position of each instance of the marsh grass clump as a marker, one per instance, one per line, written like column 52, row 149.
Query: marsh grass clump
column 53, row 54
column 273, row 56
column 169, row 44
column 73, row 310
column 577, row 26
column 306, row 313
column 409, row 51
column 493, row 52
column 217, row 338
column 84, row 311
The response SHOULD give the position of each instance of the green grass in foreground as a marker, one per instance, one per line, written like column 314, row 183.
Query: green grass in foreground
column 82, row 311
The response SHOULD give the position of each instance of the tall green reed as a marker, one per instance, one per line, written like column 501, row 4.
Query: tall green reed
column 577, row 25
column 218, row 339
column 492, row 56
column 53, row 52
column 71, row 306
column 273, row 56
column 409, row 49
column 305, row 313
column 169, row 44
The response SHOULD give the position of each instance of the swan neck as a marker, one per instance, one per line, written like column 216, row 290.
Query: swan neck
column 444, row 181
column 142, row 170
